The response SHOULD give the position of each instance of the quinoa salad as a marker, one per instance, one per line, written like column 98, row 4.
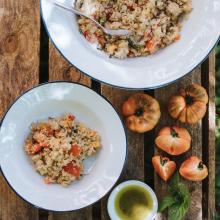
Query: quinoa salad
column 155, row 24
column 58, row 147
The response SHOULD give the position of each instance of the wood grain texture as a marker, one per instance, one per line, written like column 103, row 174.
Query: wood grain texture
column 19, row 63
column 208, row 81
column 163, row 94
column 134, row 167
column 60, row 69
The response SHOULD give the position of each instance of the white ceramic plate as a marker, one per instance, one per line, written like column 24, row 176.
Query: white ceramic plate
column 199, row 35
column 54, row 99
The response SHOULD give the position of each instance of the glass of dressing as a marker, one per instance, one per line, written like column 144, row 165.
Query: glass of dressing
column 132, row 200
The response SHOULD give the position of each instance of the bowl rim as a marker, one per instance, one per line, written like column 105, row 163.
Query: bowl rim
column 132, row 182
column 120, row 118
column 123, row 87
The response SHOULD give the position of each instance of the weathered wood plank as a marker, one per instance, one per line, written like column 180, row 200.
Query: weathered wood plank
column 60, row 69
column 208, row 81
column 162, row 95
column 19, row 64
column 134, row 168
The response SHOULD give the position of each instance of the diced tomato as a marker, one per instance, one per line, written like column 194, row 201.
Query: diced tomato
column 72, row 169
column 71, row 117
column 47, row 181
column 177, row 38
column 85, row 33
column 75, row 151
column 46, row 145
column 50, row 131
column 37, row 148
column 150, row 45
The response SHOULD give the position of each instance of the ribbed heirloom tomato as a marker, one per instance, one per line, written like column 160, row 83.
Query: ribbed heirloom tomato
column 193, row 169
column 173, row 140
column 189, row 106
column 141, row 112
column 164, row 167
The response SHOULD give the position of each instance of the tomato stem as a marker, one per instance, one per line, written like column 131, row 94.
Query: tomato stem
column 173, row 133
column 189, row 100
column 163, row 161
column 200, row 166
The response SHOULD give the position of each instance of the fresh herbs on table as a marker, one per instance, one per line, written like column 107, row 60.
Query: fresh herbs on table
column 178, row 200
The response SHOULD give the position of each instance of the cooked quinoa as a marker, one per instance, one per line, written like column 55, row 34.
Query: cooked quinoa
column 154, row 23
column 58, row 147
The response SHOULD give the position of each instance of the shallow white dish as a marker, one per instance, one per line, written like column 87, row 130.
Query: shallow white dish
column 111, row 200
column 54, row 99
column 198, row 37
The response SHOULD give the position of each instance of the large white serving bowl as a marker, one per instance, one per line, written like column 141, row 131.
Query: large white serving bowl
column 54, row 99
column 199, row 35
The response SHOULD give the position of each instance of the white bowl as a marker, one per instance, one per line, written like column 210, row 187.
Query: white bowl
column 111, row 201
column 54, row 99
column 198, row 37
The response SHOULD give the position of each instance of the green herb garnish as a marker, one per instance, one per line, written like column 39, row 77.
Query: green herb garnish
column 135, row 46
column 102, row 20
column 178, row 200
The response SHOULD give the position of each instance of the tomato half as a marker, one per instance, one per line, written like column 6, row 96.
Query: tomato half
column 193, row 169
column 164, row 167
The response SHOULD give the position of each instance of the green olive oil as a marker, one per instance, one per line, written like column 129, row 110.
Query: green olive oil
column 133, row 203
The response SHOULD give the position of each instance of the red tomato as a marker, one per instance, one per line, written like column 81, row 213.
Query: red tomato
column 164, row 167
column 37, row 148
column 71, row 117
column 50, row 131
column 72, row 169
column 75, row 151
column 193, row 169
column 173, row 140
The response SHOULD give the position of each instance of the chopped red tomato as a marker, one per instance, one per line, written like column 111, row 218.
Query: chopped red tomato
column 50, row 131
column 72, row 169
column 47, row 181
column 75, row 151
column 177, row 38
column 71, row 117
column 44, row 145
column 150, row 45
column 37, row 148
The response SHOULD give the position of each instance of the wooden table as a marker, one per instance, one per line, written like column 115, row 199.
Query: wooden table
column 28, row 58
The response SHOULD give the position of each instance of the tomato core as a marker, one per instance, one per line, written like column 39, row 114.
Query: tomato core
column 200, row 166
column 139, row 112
column 189, row 100
column 173, row 133
column 163, row 161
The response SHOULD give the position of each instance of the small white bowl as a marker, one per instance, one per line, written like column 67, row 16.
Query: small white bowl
column 54, row 99
column 111, row 200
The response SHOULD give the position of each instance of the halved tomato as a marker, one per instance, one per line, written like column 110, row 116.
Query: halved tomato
column 164, row 167
column 72, row 169
column 193, row 169
column 75, row 150
column 173, row 140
